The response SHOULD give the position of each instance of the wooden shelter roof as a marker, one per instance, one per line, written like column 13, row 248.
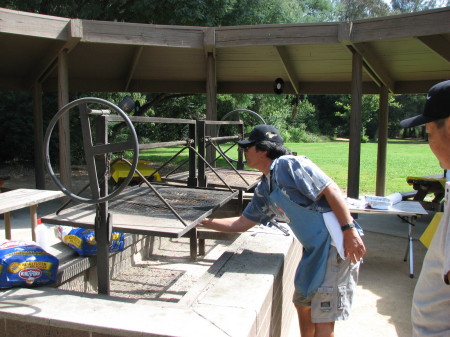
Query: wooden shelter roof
column 405, row 53
column 396, row 54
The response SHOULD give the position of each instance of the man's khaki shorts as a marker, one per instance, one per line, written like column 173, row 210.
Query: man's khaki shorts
column 333, row 299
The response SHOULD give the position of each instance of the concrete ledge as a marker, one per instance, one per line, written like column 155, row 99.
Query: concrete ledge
column 247, row 292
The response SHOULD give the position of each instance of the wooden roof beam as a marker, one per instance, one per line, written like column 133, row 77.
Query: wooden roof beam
column 437, row 43
column 123, row 33
column 74, row 33
column 309, row 88
column 422, row 23
column 275, row 35
column 288, row 67
column 33, row 25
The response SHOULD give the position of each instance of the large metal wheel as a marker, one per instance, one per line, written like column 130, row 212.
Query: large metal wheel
column 92, row 151
column 249, row 119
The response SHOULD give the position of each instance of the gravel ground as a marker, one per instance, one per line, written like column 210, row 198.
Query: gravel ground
column 168, row 274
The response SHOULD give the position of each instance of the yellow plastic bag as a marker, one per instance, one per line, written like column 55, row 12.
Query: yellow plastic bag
column 428, row 234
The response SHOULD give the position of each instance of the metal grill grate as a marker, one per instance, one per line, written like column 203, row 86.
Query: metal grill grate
column 229, row 176
column 189, row 203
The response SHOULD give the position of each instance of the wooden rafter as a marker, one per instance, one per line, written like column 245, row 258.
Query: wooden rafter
column 438, row 43
column 371, row 63
column 288, row 67
column 132, row 68
column 74, row 33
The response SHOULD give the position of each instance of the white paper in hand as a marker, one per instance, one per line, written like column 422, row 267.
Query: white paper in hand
column 334, row 228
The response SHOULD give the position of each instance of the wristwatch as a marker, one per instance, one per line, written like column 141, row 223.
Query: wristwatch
column 347, row 226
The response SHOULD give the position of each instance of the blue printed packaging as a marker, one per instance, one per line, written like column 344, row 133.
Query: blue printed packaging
column 25, row 264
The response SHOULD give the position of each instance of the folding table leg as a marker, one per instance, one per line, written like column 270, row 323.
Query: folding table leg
column 411, row 254
column 410, row 250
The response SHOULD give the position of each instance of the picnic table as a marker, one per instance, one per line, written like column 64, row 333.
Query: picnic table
column 424, row 185
column 21, row 198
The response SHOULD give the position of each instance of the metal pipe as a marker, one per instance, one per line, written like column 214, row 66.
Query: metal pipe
column 163, row 144
column 99, row 112
column 158, row 194
column 231, row 165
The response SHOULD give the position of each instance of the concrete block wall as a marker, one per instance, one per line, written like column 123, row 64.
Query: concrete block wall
column 248, row 294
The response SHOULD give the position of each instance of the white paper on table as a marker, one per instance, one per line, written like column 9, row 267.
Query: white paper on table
column 395, row 198
column 334, row 228
column 383, row 202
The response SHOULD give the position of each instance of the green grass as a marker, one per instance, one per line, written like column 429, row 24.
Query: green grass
column 404, row 158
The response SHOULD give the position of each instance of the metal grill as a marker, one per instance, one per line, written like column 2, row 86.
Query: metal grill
column 138, row 210
column 243, row 180
column 189, row 203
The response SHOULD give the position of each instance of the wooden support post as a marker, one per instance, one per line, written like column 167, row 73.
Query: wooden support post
column 211, row 103
column 38, row 134
column 383, row 117
column 201, row 129
column 355, row 128
column 63, row 122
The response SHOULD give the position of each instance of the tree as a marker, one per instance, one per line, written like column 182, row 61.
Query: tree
column 350, row 10
column 411, row 6
column 369, row 114
column 407, row 106
column 329, row 122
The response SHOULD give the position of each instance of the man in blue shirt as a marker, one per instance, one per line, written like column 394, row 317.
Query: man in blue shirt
column 295, row 190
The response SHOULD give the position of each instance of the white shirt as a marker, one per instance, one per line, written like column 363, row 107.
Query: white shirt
column 430, row 312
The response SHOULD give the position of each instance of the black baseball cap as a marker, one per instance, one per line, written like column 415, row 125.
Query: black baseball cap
column 261, row 133
column 437, row 106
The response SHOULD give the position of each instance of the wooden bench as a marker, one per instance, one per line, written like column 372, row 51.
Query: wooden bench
column 21, row 198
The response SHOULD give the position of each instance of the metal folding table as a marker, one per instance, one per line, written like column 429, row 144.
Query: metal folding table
column 407, row 211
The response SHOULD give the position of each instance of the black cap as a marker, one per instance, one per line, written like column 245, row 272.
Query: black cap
column 437, row 106
column 261, row 133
